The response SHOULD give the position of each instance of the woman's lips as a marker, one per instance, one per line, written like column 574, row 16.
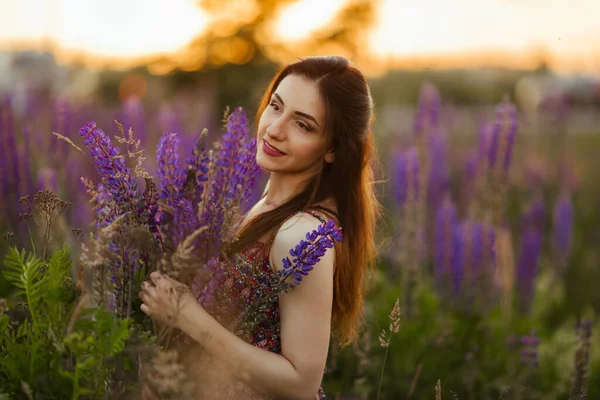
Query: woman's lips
column 272, row 150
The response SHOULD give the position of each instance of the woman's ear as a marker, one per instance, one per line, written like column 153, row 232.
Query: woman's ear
column 330, row 156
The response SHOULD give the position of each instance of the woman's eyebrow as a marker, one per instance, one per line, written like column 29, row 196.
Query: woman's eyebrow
column 298, row 112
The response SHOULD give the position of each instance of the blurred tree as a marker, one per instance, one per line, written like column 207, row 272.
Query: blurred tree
column 242, row 31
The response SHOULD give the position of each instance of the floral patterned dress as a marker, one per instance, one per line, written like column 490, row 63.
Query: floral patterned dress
column 244, row 284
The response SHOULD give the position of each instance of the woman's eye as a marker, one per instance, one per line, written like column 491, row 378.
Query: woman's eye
column 274, row 105
column 304, row 126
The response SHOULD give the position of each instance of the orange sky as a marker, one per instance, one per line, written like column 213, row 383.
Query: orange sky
column 408, row 33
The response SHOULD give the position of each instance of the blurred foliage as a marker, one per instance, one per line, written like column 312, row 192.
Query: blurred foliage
column 241, row 32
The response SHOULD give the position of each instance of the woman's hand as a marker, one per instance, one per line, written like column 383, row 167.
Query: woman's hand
column 164, row 298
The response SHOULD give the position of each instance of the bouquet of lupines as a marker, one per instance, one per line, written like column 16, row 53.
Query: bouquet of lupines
column 181, row 224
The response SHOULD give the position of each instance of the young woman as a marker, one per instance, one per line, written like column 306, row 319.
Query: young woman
column 314, row 139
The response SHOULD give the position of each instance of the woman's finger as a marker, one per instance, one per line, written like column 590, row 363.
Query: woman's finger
column 156, row 277
column 171, row 280
column 149, row 288
column 145, row 297
column 145, row 309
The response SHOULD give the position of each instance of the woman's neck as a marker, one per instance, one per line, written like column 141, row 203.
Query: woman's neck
column 282, row 188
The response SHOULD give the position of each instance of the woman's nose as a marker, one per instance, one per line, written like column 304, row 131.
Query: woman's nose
column 276, row 129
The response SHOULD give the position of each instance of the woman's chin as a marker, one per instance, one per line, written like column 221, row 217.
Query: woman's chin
column 263, row 164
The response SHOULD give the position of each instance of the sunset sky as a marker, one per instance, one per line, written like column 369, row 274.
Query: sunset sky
column 407, row 32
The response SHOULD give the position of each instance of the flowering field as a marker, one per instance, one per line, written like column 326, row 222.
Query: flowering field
column 481, row 289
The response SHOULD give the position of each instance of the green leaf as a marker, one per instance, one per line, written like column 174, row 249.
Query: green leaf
column 59, row 267
column 59, row 292
column 25, row 273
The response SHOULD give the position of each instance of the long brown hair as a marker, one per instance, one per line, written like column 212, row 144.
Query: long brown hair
column 349, row 180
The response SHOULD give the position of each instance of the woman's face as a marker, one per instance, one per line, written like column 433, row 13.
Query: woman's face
column 290, row 137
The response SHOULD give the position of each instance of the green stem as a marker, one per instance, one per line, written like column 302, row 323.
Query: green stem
column 75, row 384
column 47, row 236
column 31, row 238
column 383, row 368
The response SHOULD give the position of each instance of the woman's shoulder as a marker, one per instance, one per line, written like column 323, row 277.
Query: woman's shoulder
column 308, row 220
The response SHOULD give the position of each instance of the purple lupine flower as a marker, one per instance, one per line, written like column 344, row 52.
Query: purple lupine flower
column 117, row 178
column 10, row 159
column 469, row 177
column 529, row 349
column 26, row 185
column 46, row 180
column 503, row 135
column 133, row 117
column 212, row 216
column 484, row 144
column 446, row 252
column 185, row 221
column 309, row 252
column 170, row 174
column 428, row 110
column 536, row 215
column 61, row 123
column 207, row 281
column 531, row 246
column 406, row 176
column 477, row 252
column 105, row 208
column 198, row 165
column 562, row 234
column 235, row 141
column 233, row 168
column 245, row 177
column 439, row 177
column 150, row 202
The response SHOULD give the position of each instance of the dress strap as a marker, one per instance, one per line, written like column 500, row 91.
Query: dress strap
column 328, row 211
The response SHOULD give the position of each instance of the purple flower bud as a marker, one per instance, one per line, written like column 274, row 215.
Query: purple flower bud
column 185, row 221
column 428, row 110
column 10, row 155
column 529, row 349
column 170, row 174
column 531, row 246
column 503, row 136
column 26, row 185
column 439, row 177
column 563, row 228
column 471, row 167
column 536, row 215
column 446, row 257
column 477, row 254
column 406, row 176
column 485, row 143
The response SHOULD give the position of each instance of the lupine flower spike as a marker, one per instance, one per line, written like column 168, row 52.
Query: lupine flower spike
column 309, row 252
